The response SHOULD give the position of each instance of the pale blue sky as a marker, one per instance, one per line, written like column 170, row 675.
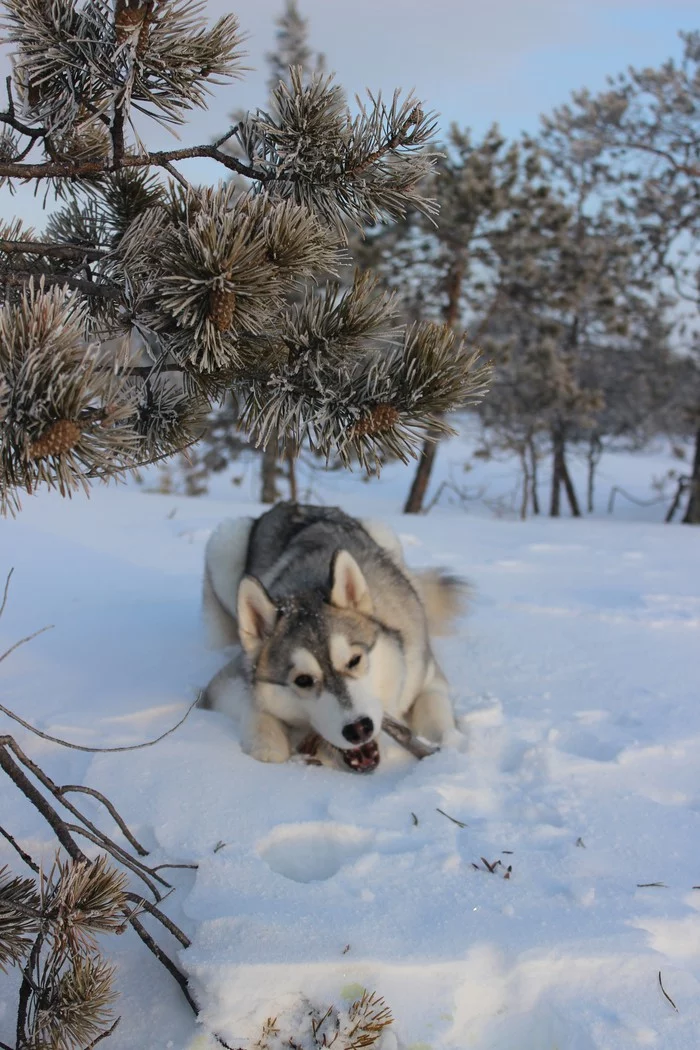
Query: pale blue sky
column 474, row 62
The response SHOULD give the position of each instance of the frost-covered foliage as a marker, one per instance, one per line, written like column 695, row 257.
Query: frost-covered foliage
column 176, row 295
column 306, row 1026
column 48, row 928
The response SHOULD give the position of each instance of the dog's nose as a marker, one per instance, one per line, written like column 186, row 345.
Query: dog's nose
column 359, row 732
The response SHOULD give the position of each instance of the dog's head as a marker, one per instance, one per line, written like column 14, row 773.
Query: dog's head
column 313, row 655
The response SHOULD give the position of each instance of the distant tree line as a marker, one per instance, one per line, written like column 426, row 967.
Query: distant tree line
column 572, row 257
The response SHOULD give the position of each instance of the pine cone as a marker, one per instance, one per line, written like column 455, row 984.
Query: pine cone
column 381, row 417
column 131, row 18
column 35, row 94
column 222, row 308
column 8, row 148
column 61, row 436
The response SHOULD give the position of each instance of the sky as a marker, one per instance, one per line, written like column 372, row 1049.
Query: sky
column 504, row 61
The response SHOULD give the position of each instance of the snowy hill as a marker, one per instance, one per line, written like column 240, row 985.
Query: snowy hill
column 576, row 681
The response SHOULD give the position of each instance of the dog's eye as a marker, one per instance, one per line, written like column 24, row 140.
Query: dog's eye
column 354, row 661
column 303, row 681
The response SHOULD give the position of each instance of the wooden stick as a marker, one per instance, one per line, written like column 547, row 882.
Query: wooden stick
column 402, row 735
column 419, row 748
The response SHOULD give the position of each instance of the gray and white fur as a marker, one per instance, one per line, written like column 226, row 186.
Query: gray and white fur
column 334, row 630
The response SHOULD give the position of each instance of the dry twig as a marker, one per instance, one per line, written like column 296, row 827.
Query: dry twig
column 454, row 820
column 666, row 993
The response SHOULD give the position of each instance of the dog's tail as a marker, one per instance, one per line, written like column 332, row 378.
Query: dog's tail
column 224, row 566
column 444, row 596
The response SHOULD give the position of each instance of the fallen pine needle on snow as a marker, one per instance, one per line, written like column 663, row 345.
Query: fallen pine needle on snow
column 666, row 993
column 650, row 885
column 491, row 867
column 454, row 820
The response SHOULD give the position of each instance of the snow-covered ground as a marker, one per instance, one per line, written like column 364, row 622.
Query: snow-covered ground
column 576, row 678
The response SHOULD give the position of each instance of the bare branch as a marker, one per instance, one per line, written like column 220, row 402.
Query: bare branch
column 3, row 656
column 47, row 811
column 83, row 747
column 111, row 810
column 15, row 845
column 166, row 961
column 6, row 590
column 105, row 1035
column 161, row 917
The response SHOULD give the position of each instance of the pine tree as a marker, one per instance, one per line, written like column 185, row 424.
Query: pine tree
column 293, row 48
column 572, row 295
column 643, row 132
column 446, row 273
column 146, row 300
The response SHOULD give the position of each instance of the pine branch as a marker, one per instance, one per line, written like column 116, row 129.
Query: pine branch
column 50, row 250
column 207, row 278
column 107, row 292
column 156, row 159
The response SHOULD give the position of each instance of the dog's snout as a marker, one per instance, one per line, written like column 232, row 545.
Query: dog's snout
column 359, row 732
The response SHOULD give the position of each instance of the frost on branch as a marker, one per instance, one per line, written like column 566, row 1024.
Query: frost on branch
column 307, row 1026
column 363, row 169
column 63, row 417
column 48, row 928
column 146, row 300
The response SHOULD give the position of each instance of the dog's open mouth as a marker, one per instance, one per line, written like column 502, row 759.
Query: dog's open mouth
column 363, row 759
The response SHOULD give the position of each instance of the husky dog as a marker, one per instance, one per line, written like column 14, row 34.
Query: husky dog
column 333, row 629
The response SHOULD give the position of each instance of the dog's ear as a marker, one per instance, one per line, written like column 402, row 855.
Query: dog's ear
column 348, row 586
column 256, row 614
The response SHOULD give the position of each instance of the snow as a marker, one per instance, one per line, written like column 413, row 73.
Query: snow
column 575, row 678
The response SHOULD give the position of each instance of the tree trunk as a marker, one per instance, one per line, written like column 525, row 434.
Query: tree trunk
column 561, row 476
column 414, row 503
column 450, row 316
column 569, row 486
column 527, row 482
column 595, row 451
column 268, row 471
column 533, row 475
column 557, row 460
column 692, row 511
column 292, row 474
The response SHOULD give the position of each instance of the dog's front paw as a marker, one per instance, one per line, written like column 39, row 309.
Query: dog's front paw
column 456, row 739
column 268, row 753
column 266, row 739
